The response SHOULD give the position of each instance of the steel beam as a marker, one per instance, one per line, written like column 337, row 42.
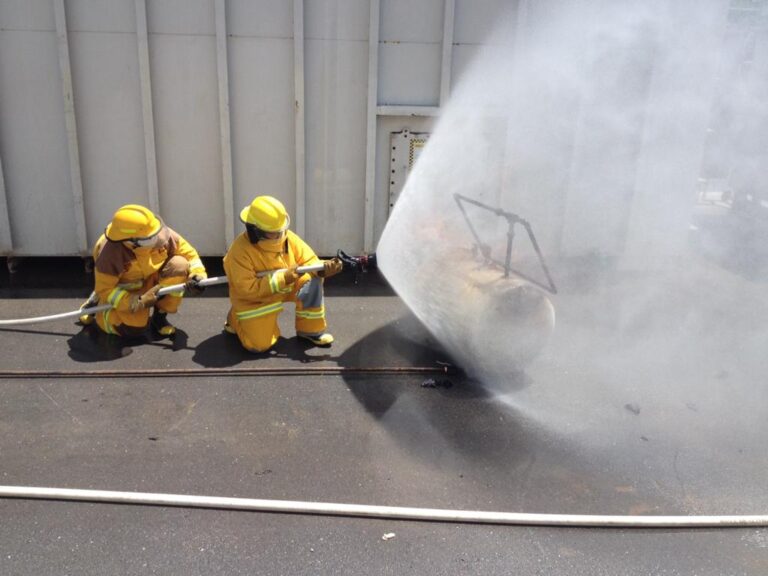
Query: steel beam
column 146, row 106
column 299, row 123
column 6, row 242
column 71, row 125
column 447, row 58
column 222, row 66
column 370, row 140
column 421, row 111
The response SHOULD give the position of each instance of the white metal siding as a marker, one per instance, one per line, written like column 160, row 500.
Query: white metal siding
column 136, row 145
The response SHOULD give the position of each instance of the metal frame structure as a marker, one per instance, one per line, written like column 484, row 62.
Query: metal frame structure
column 71, row 124
column 512, row 220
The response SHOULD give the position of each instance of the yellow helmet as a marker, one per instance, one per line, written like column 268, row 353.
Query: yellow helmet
column 133, row 222
column 266, row 213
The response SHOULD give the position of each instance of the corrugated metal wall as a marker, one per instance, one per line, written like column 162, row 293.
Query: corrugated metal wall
column 195, row 106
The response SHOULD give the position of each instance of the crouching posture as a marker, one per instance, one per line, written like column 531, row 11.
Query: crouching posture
column 261, row 266
column 135, row 257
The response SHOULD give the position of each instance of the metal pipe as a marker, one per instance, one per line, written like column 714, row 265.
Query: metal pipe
column 162, row 292
column 231, row 371
column 387, row 512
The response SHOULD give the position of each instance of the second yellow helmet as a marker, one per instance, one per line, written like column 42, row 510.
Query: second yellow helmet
column 266, row 213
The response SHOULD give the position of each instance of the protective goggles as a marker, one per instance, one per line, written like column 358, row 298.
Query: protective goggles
column 145, row 241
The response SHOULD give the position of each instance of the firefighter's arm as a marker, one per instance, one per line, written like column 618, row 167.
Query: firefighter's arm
column 305, row 256
column 185, row 249
column 251, row 283
column 110, row 293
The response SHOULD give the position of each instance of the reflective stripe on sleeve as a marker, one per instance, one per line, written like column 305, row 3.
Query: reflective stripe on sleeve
column 196, row 264
column 261, row 311
column 116, row 295
column 274, row 285
column 107, row 325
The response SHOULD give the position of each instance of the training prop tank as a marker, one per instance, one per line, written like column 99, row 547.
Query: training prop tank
column 493, row 319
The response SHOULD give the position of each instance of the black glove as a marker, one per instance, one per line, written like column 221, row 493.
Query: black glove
column 192, row 286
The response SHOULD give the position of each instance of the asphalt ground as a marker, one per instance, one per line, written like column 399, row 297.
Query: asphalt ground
column 655, row 408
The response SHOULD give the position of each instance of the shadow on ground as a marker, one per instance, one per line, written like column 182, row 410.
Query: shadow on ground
column 93, row 345
column 224, row 350
column 427, row 413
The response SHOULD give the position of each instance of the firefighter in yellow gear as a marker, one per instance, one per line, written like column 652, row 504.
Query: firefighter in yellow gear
column 261, row 268
column 135, row 257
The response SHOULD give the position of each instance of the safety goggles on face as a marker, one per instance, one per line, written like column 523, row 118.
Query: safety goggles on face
column 144, row 242
column 147, row 241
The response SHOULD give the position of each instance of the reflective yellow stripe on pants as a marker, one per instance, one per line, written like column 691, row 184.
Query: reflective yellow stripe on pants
column 260, row 311
column 311, row 314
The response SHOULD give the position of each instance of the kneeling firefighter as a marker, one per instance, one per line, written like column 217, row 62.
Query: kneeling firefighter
column 262, row 267
column 135, row 257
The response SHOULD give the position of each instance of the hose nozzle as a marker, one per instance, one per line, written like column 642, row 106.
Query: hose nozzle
column 362, row 263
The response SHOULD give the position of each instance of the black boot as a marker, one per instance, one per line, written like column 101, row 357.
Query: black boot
column 161, row 325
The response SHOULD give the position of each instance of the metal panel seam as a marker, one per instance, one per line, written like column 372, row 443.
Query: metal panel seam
column 222, row 66
column 150, row 153
column 299, row 122
column 70, row 124
column 370, row 144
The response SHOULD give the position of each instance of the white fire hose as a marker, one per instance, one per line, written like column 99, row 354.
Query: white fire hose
column 162, row 292
column 388, row 512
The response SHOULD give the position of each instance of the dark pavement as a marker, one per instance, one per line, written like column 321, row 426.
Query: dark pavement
column 659, row 407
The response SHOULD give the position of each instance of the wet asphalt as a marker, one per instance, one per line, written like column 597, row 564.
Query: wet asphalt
column 650, row 399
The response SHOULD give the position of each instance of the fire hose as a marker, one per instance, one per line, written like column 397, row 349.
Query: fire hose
column 356, row 264
column 387, row 512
